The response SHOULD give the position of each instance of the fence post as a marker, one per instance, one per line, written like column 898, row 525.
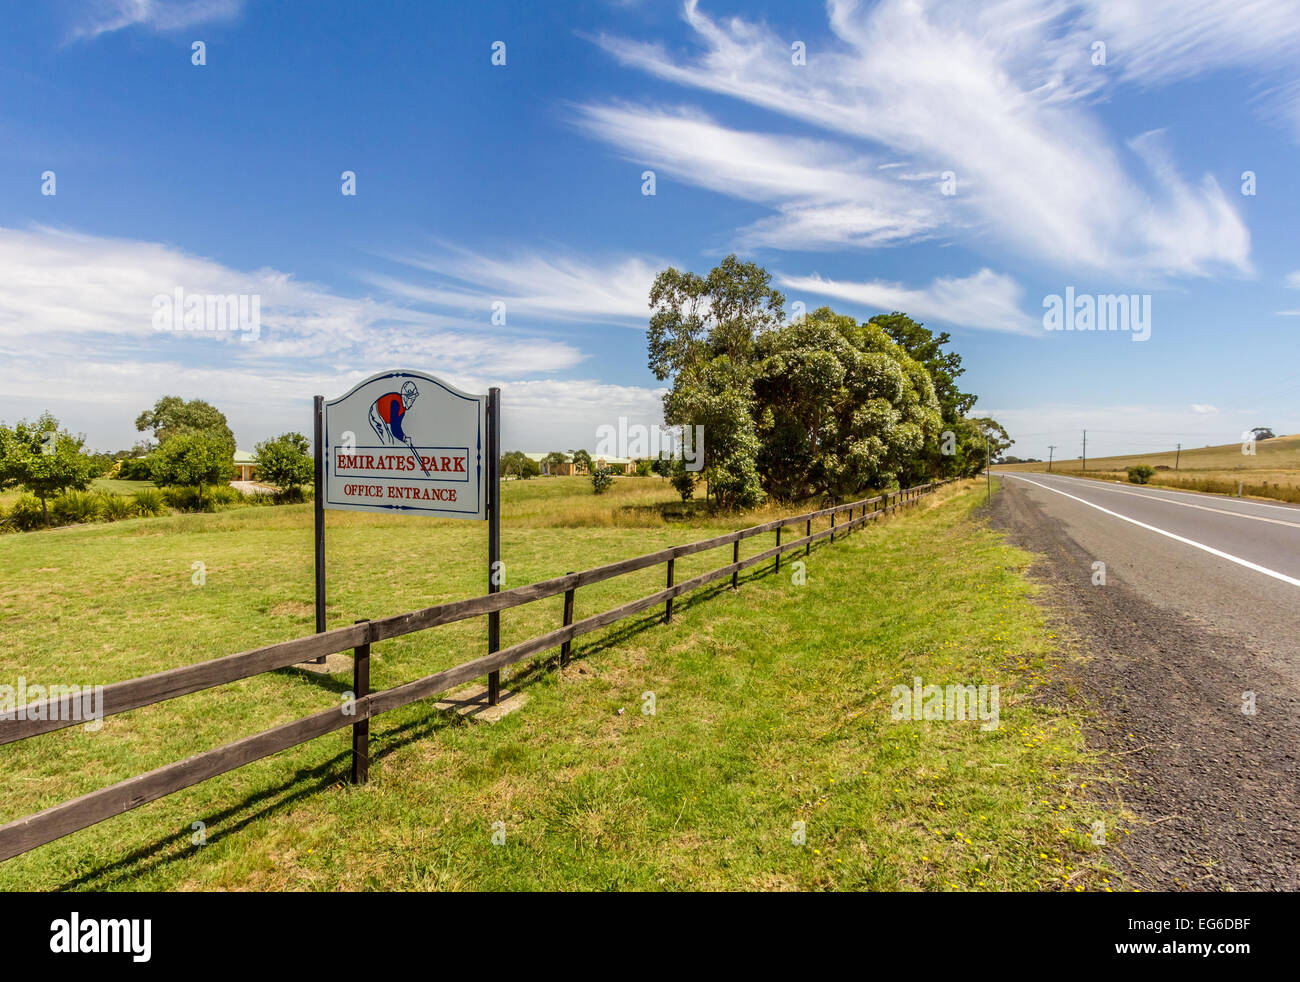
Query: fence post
column 735, row 558
column 807, row 548
column 832, row 526
column 568, row 619
column 778, row 545
column 361, row 728
column 668, row 606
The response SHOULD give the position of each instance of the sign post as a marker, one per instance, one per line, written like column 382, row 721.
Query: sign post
column 318, row 441
column 407, row 442
column 495, row 571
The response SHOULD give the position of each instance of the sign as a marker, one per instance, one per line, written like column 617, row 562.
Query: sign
column 404, row 441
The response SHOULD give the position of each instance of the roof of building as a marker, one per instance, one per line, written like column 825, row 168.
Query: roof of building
column 244, row 457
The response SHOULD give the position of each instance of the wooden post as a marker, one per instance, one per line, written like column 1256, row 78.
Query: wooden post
column 735, row 558
column 494, row 532
column 566, row 646
column 832, row 527
column 668, row 605
column 361, row 728
column 807, row 549
column 318, row 434
column 778, row 543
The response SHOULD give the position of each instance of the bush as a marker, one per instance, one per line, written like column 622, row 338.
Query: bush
column 149, row 501
column 185, row 498
column 115, row 507
column 134, row 469
column 75, row 507
column 26, row 514
column 223, row 496
column 601, row 479
column 1140, row 474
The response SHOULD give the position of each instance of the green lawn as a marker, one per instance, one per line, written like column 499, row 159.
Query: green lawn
column 772, row 707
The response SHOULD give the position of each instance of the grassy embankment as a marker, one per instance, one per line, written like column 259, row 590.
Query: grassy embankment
column 772, row 707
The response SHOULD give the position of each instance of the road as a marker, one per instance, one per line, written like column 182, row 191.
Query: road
column 1199, row 607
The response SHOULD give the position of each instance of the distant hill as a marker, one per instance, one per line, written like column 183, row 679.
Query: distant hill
column 1282, row 453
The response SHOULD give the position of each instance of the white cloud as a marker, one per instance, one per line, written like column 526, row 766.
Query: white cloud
column 1293, row 280
column 824, row 198
column 986, row 92
column 106, row 16
column 986, row 300
column 76, row 336
column 548, row 286
column 1201, row 409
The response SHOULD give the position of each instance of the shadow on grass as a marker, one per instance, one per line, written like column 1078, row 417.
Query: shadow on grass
column 335, row 771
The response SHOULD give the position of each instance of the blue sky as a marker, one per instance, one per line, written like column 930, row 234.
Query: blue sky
column 521, row 184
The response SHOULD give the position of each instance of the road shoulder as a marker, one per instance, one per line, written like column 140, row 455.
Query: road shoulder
column 1214, row 791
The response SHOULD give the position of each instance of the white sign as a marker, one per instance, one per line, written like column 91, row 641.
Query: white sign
column 406, row 442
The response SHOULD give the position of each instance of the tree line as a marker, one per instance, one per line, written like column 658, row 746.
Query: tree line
column 821, row 405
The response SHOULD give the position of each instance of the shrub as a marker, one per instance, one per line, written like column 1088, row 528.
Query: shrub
column 601, row 479
column 223, row 496
column 1140, row 473
column 26, row 514
column 149, row 501
column 134, row 469
column 115, row 507
column 185, row 498
column 75, row 507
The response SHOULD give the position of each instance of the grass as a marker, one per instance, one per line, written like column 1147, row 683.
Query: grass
column 772, row 707
column 1273, row 471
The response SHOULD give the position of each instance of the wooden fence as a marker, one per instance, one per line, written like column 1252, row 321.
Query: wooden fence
column 31, row 720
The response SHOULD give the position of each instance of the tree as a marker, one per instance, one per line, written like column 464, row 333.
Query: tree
column 682, row 480
column 601, row 479
column 42, row 459
column 519, row 464
column 944, row 368
column 1262, row 433
column 580, row 459
column 193, row 459
column 553, row 460
column 842, row 407
column 286, row 462
column 172, row 416
column 703, row 330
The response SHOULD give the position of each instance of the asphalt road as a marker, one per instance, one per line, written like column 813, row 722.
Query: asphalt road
column 1233, row 564
column 1200, row 606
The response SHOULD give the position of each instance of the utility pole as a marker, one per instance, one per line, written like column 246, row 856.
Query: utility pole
column 1177, row 453
column 1085, row 450
column 1051, row 448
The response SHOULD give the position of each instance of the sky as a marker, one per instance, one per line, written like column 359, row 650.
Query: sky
column 961, row 162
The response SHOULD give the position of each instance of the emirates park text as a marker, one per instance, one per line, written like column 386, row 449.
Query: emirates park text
column 454, row 464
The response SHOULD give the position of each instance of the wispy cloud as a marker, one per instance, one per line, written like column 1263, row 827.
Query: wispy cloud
column 105, row 16
column 985, row 92
column 550, row 285
column 823, row 197
column 986, row 300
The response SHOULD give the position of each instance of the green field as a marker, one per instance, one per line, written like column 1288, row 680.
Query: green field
column 1272, row 471
column 772, row 707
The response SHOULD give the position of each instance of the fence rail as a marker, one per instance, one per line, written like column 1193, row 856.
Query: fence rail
column 51, row 714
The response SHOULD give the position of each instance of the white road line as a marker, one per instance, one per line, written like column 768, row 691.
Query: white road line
column 1177, row 538
column 1186, row 494
column 1102, row 486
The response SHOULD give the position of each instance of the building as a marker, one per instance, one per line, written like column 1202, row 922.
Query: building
column 619, row 465
column 245, row 466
